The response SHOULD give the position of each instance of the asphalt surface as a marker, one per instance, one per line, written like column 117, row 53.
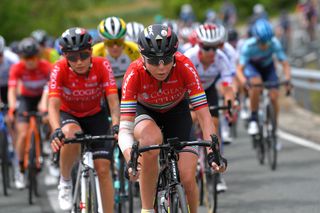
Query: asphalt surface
column 293, row 188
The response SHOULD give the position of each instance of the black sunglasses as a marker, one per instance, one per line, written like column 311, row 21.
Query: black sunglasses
column 157, row 60
column 74, row 57
column 208, row 48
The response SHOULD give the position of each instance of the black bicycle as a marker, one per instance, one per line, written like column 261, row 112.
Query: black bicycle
column 4, row 152
column 265, row 142
column 206, row 177
column 170, row 195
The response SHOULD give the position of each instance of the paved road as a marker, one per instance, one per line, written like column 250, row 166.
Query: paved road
column 293, row 188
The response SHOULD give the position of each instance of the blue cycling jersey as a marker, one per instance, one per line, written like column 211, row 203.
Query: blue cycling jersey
column 251, row 52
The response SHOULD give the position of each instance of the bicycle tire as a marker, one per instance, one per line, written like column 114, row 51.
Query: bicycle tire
column 259, row 145
column 200, row 186
column 178, row 201
column 271, row 138
column 32, row 170
column 210, row 180
column 92, row 200
column 4, row 162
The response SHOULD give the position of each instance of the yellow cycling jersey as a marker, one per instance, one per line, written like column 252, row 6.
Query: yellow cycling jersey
column 119, row 65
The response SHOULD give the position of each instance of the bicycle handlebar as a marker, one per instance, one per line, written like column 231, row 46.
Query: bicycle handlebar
column 175, row 145
column 85, row 138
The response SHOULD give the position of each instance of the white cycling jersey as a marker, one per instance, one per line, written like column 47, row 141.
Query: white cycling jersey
column 232, row 55
column 219, row 68
column 9, row 58
column 119, row 67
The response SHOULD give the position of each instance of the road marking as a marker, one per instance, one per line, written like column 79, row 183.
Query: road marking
column 298, row 140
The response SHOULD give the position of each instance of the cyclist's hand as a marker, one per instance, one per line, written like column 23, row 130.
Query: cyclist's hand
column 57, row 139
column 134, row 177
column 10, row 115
column 221, row 168
column 288, row 87
column 115, row 131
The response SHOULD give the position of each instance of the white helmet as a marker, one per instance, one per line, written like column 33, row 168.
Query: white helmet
column 2, row 44
column 133, row 30
column 211, row 34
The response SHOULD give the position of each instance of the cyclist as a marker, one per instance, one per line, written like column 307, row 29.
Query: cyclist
column 48, row 53
column 77, row 84
column 133, row 30
column 7, row 59
column 214, row 71
column 153, row 97
column 26, row 78
column 119, row 52
column 256, row 65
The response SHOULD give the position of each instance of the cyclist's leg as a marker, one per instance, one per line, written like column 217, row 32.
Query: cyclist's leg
column 69, row 153
column 102, row 155
column 254, row 77
column 147, row 132
column 270, row 75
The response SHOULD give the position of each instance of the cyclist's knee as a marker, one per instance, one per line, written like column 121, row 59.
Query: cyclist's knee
column 102, row 167
column 70, row 129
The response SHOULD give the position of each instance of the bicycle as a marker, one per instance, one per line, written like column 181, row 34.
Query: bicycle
column 33, row 160
column 87, row 197
column 265, row 142
column 5, row 155
column 123, row 188
column 207, row 178
column 170, row 195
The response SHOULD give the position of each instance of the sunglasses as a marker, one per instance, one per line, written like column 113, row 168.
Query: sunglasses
column 111, row 43
column 30, row 58
column 208, row 48
column 74, row 57
column 157, row 60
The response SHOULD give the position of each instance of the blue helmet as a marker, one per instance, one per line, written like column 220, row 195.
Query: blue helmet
column 262, row 30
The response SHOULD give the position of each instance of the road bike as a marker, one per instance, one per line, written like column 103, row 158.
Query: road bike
column 170, row 194
column 265, row 142
column 86, row 194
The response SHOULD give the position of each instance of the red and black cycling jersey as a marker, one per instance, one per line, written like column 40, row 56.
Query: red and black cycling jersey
column 32, row 81
column 139, row 86
column 81, row 94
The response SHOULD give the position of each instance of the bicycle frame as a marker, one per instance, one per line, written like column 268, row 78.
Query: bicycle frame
column 86, row 168
column 32, row 129
column 82, row 176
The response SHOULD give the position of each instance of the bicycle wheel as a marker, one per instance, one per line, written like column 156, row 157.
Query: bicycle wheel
column 210, row 180
column 4, row 161
column 91, row 198
column 178, row 201
column 32, row 170
column 259, row 145
column 271, row 139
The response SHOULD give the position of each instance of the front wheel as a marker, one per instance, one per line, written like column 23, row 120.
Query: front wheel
column 4, row 161
column 178, row 201
column 271, row 139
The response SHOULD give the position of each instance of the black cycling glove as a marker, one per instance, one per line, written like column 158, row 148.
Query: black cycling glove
column 115, row 129
column 57, row 134
column 213, row 158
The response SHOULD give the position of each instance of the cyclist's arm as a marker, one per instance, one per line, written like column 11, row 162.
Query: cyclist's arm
column 286, row 69
column 12, row 97
column 240, row 75
column 113, row 102
column 125, row 138
column 206, row 124
column 54, row 112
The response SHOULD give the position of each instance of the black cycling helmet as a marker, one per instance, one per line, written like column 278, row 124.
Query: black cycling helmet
column 28, row 47
column 157, row 41
column 40, row 36
column 75, row 39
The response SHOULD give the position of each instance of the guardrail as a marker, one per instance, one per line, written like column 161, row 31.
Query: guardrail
column 306, row 84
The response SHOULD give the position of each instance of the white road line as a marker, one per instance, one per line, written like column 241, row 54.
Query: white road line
column 298, row 140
